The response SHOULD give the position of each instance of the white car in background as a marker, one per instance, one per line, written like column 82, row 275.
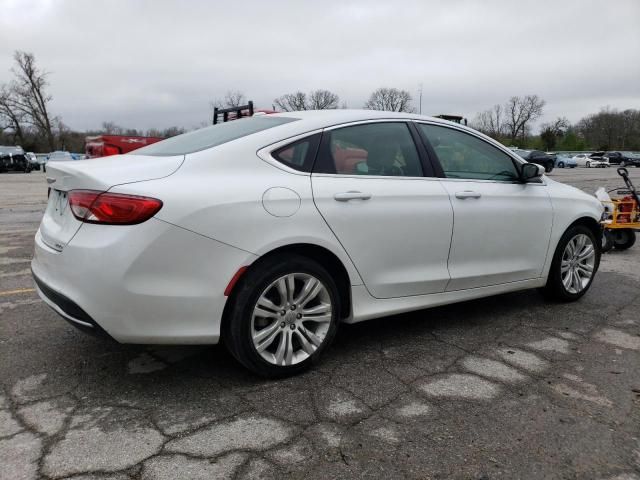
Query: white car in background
column 590, row 160
column 269, row 231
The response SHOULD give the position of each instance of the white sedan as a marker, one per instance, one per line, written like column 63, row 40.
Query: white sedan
column 586, row 160
column 267, row 232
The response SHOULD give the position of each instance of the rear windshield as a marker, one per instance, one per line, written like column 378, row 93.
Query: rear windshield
column 211, row 136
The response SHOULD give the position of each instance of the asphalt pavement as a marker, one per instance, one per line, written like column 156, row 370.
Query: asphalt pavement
column 508, row 387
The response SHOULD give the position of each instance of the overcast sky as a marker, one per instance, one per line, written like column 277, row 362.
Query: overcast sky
column 145, row 64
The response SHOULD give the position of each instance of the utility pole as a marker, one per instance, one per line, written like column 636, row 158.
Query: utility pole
column 420, row 99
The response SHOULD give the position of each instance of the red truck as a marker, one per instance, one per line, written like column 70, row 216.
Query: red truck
column 105, row 145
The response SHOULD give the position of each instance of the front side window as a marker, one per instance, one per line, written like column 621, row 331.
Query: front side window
column 385, row 149
column 464, row 156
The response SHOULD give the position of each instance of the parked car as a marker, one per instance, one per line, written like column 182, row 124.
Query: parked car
column 13, row 159
column 33, row 160
column 541, row 158
column 591, row 160
column 624, row 159
column 564, row 160
column 60, row 156
column 280, row 240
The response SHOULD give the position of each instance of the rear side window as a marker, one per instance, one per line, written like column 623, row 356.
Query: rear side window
column 212, row 136
column 385, row 149
column 299, row 155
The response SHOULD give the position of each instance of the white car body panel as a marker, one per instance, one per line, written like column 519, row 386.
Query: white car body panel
column 163, row 281
column 408, row 255
column 510, row 223
column 161, row 270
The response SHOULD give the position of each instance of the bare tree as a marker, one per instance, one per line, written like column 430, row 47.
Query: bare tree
column 28, row 95
column 110, row 128
column 291, row 102
column 234, row 98
column 610, row 129
column 491, row 122
column 322, row 100
column 390, row 99
column 314, row 100
column 550, row 132
column 11, row 118
column 520, row 111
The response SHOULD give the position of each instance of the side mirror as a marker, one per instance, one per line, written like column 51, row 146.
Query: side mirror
column 531, row 171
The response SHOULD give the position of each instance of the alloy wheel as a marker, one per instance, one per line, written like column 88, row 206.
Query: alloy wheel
column 291, row 319
column 578, row 263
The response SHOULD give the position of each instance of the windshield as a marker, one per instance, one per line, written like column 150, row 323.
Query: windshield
column 212, row 136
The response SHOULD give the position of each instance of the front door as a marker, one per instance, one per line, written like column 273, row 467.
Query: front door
column 502, row 226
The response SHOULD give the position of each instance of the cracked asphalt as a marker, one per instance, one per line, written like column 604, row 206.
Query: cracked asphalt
column 509, row 387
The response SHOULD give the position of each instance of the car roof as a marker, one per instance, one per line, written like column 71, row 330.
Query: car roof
column 313, row 120
column 324, row 118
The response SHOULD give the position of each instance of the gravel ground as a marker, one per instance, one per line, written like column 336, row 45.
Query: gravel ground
column 509, row 387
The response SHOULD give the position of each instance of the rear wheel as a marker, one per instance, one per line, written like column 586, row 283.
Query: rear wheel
column 284, row 315
column 574, row 264
column 623, row 238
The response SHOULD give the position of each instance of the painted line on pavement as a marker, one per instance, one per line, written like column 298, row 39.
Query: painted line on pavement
column 6, row 293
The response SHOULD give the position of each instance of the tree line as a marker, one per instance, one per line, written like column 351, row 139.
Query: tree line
column 512, row 124
column 26, row 119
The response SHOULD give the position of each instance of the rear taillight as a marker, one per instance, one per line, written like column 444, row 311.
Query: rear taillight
column 91, row 206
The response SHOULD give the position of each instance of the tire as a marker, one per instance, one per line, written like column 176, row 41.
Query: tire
column 623, row 163
column 548, row 168
column 623, row 238
column 261, row 283
column 607, row 240
column 588, row 165
column 561, row 165
column 556, row 288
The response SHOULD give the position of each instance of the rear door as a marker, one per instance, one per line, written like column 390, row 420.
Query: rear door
column 502, row 226
column 394, row 222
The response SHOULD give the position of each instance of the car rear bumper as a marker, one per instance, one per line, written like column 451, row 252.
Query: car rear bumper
column 148, row 283
column 68, row 309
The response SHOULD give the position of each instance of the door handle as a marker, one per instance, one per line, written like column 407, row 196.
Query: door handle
column 468, row 194
column 351, row 195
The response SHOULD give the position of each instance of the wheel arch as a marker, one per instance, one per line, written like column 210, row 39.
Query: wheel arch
column 322, row 255
column 589, row 222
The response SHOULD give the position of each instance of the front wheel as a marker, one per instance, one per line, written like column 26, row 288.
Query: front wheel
column 574, row 264
column 283, row 316
column 588, row 165
column 561, row 165
column 623, row 238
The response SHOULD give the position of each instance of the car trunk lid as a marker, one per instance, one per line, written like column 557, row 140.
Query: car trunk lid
column 59, row 225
